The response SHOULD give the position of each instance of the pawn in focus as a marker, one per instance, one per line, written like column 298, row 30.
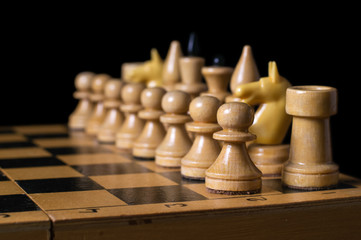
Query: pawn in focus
column 233, row 172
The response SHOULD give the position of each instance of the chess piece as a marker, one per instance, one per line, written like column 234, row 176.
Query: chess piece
column 153, row 132
column 127, row 69
column 171, row 72
column 269, row 158
column 150, row 72
column 190, row 69
column 82, row 112
column 97, row 97
column 113, row 118
column 246, row 71
column 310, row 165
column 271, row 122
column 191, row 75
column 176, row 143
column 205, row 149
column 132, row 125
column 217, row 79
column 233, row 172
column 193, row 48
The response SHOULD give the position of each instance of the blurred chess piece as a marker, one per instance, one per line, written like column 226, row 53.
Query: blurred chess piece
column 171, row 71
column 82, row 112
column 97, row 97
column 132, row 125
column 310, row 165
column 150, row 72
column 217, row 78
column 176, row 143
column 271, row 122
column 113, row 118
column 233, row 172
column 246, row 71
column 190, row 69
column 205, row 149
column 153, row 132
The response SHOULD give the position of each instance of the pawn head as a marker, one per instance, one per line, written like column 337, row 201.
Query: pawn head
column 204, row 109
column 176, row 102
column 235, row 116
column 151, row 98
column 83, row 81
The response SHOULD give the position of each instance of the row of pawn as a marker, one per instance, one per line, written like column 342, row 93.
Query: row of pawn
column 174, row 128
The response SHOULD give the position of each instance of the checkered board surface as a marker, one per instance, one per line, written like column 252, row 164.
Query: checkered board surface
column 61, row 176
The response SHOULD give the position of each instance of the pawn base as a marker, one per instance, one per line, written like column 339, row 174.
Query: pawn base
column 168, row 161
column 228, row 186
column 233, row 192
column 193, row 172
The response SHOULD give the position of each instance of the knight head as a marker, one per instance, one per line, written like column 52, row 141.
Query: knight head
column 267, row 89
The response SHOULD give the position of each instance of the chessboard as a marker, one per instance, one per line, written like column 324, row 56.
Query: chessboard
column 61, row 184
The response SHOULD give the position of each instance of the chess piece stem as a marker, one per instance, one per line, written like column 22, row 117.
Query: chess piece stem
column 191, row 76
column 217, row 79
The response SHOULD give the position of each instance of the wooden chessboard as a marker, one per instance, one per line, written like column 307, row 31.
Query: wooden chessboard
column 56, row 184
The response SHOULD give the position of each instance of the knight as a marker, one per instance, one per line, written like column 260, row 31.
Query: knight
column 150, row 72
column 271, row 122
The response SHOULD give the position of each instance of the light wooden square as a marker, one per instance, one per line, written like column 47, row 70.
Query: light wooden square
column 28, row 152
column 42, row 172
column 76, row 199
column 9, row 188
column 12, row 137
column 201, row 189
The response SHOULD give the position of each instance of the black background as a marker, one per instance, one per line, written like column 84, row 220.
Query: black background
column 44, row 49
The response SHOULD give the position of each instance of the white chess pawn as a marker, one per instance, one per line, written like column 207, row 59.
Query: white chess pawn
column 176, row 143
column 205, row 149
column 233, row 172
column 97, row 97
column 132, row 125
column 81, row 114
column 113, row 118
